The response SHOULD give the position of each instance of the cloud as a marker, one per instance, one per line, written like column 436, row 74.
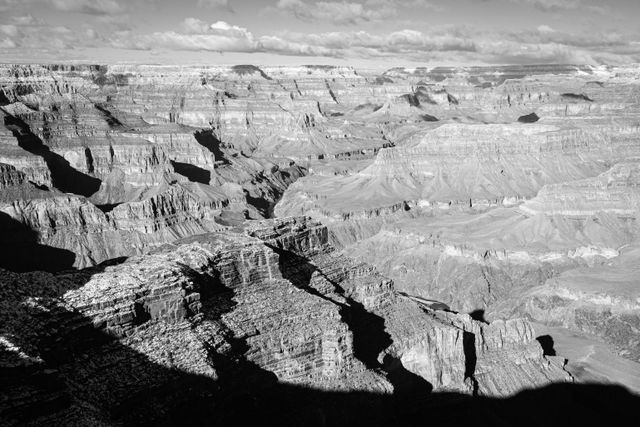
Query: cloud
column 416, row 4
column 30, row 35
column 7, row 44
column 552, row 5
column 9, row 30
column 545, row 29
column 194, row 26
column 287, row 47
column 542, row 45
column 25, row 20
column 196, row 35
column 8, row 5
column 342, row 13
column 450, row 43
column 349, row 13
column 92, row 7
column 215, row 4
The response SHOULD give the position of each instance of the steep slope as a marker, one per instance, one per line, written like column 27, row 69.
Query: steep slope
column 217, row 319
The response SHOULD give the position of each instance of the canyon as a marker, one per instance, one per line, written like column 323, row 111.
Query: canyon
column 319, row 245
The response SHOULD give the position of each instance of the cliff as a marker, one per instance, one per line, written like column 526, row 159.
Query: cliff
column 241, row 310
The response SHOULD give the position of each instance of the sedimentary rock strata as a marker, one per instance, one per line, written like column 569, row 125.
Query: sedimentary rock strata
column 315, row 245
column 272, row 302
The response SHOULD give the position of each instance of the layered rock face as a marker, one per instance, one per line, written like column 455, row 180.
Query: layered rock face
column 215, row 317
column 316, row 245
column 82, row 234
column 601, row 301
column 139, row 153
column 529, row 178
column 462, row 166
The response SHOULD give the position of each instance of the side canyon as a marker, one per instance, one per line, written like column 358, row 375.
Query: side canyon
column 319, row 245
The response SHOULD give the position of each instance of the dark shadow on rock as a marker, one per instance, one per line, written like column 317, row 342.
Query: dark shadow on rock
column 111, row 120
column 4, row 100
column 575, row 97
column 369, row 335
column 269, row 188
column 129, row 389
column 244, row 69
column 546, row 342
column 64, row 177
column 478, row 315
column 554, row 405
column 411, row 99
column 110, row 383
column 108, row 207
column 470, row 358
column 529, row 118
column 428, row 118
column 192, row 173
column 262, row 205
column 370, row 338
column 405, row 383
column 208, row 140
column 139, row 391
column 20, row 250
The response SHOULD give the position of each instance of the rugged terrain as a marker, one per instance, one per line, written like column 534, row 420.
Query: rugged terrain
column 318, row 245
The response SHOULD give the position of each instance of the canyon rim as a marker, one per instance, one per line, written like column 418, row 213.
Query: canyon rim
column 435, row 223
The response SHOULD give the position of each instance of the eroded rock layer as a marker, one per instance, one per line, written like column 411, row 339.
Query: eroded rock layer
column 521, row 200
column 230, row 314
column 169, row 242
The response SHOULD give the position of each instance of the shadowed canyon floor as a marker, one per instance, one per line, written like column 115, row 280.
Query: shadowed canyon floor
column 319, row 245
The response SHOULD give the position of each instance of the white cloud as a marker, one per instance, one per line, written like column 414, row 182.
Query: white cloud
column 286, row 47
column 542, row 44
column 195, row 26
column 197, row 35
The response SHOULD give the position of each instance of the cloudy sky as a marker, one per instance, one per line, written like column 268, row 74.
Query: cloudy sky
column 360, row 32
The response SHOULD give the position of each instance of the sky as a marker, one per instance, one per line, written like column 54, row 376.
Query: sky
column 366, row 33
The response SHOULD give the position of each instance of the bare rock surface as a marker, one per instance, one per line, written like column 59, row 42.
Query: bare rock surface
column 318, row 245
column 489, row 212
column 242, row 311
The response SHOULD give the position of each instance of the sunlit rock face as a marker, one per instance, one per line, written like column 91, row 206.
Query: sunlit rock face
column 601, row 301
column 268, row 309
column 488, row 211
column 312, row 245
column 472, row 261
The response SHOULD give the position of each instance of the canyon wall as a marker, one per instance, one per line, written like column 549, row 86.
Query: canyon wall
column 313, row 245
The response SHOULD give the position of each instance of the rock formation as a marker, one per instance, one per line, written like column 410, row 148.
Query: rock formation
column 241, row 310
column 317, row 245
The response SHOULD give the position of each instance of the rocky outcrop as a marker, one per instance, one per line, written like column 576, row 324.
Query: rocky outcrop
column 615, row 192
column 473, row 261
column 239, row 310
column 461, row 167
column 600, row 301
column 90, row 235
column 508, row 193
